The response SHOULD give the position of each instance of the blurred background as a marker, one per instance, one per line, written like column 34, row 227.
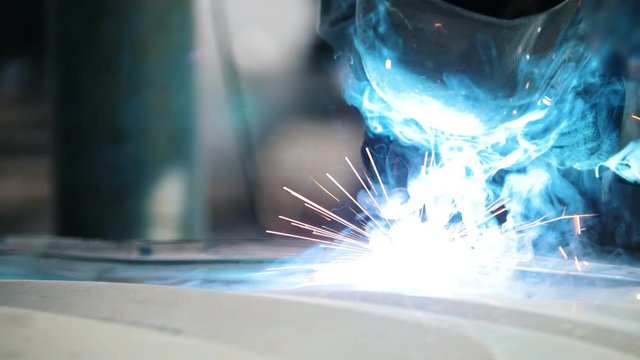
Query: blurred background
column 166, row 120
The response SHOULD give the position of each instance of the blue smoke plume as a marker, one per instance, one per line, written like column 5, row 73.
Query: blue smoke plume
column 528, row 124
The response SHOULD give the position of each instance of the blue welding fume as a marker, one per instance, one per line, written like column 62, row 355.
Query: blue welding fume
column 531, row 87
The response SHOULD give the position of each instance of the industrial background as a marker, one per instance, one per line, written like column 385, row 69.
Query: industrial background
column 214, row 105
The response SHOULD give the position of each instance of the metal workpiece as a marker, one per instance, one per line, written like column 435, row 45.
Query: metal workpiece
column 141, row 321
column 126, row 144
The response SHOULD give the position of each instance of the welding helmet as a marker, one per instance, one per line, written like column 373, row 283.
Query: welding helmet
column 447, row 54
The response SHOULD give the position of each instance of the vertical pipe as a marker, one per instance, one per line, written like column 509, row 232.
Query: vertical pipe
column 125, row 119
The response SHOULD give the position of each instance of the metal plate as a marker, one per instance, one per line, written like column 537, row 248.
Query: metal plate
column 304, row 326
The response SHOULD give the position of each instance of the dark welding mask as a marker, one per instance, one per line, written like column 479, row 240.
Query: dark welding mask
column 444, row 60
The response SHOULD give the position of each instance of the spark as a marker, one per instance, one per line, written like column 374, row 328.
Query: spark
column 345, row 234
column 492, row 215
column 344, row 241
column 635, row 117
column 362, row 239
column 496, row 205
column 319, row 241
column 324, row 229
column 363, row 185
column 370, row 182
column 437, row 25
column 424, row 163
column 541, row 220
column 346, row 237
column 319, row 213
column 375, row 169
column 325, row 190
column 352, row 199
column 326, row 212
column 576, row 224
column 577, row 262
column 564, row 254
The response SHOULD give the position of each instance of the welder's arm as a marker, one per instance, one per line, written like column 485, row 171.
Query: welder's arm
column 591, row 138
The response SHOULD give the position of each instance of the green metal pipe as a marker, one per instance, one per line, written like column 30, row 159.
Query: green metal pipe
column 126, row 149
